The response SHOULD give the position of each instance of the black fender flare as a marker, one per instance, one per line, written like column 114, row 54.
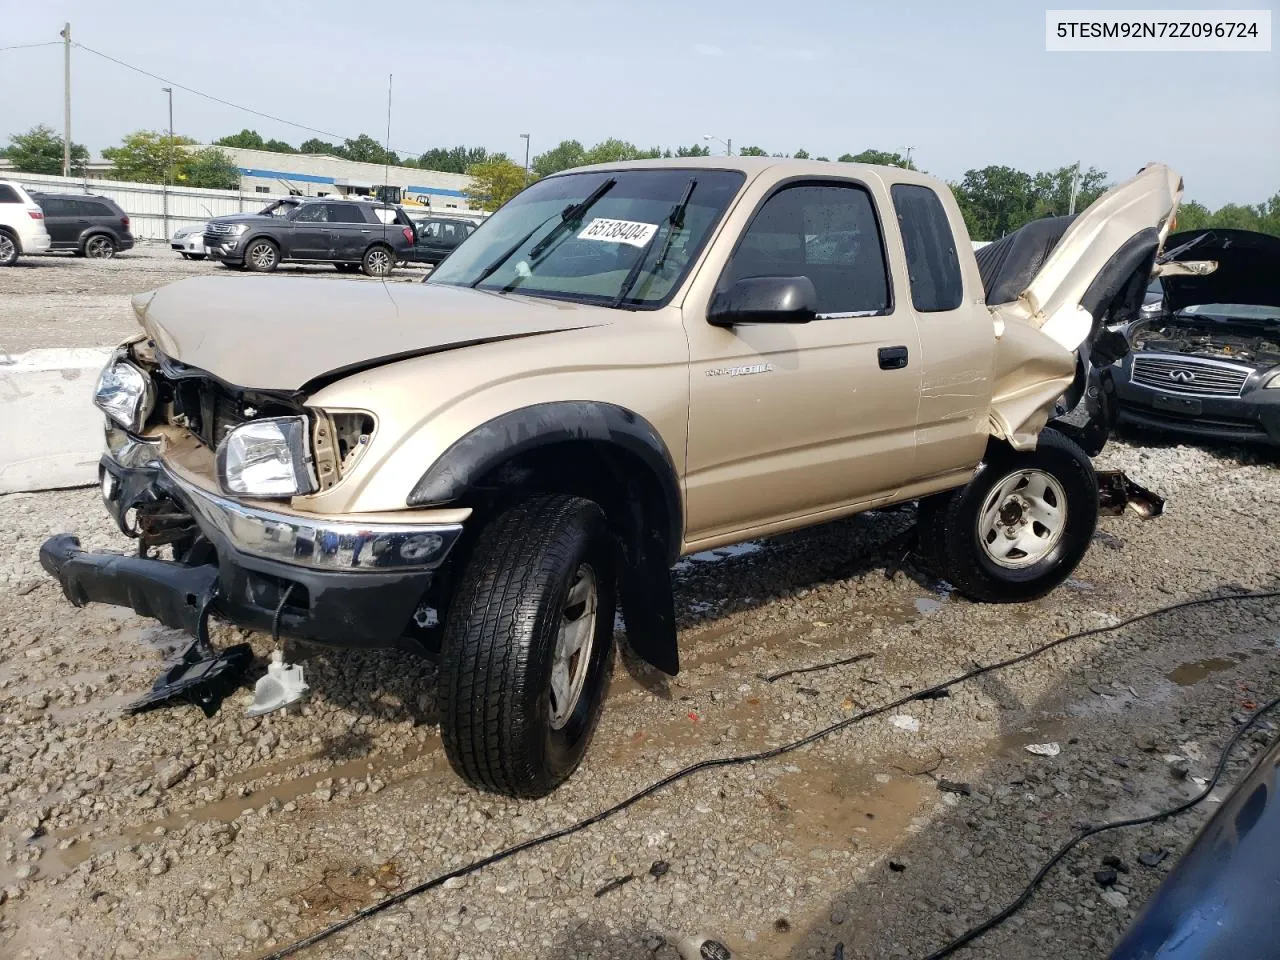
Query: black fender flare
column 648, row 606
column 527, row 428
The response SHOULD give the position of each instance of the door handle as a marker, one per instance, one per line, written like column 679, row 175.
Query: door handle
column 893, row 358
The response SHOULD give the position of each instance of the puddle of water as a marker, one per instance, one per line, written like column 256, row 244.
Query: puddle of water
column 927, row 605
column 1185, row 674
column 718, row 554
column 830, row 804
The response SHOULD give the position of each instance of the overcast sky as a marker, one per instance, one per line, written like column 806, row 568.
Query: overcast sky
column 965, row 83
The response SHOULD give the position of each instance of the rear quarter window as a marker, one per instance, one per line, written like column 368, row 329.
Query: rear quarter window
column 8, row 194
column 933, row 266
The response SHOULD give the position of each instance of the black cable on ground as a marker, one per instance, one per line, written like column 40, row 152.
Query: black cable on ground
column 856, row 658
column 974, row 932
column 739, row 760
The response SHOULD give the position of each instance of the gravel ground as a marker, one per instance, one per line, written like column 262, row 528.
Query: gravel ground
column 171, row 835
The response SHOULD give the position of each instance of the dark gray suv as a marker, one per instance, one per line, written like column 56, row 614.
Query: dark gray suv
column 87, row 225
column 350, row 234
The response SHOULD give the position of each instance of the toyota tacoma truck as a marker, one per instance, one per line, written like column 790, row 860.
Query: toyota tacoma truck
column 625, row 364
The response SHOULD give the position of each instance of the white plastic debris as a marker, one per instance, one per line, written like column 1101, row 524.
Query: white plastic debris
column 699, row 947
column 1044, row 749
column 905, row 722
column 282, row 686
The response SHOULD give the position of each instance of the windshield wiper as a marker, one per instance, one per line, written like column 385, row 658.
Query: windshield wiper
column 566, row 215
column 675, row 220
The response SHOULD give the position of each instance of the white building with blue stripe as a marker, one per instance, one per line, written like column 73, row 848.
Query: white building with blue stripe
column 320, row 175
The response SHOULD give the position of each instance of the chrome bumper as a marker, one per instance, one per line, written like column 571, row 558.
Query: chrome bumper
column 312, row 542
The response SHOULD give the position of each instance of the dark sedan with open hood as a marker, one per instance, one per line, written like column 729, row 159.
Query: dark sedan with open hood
column 1206, row 362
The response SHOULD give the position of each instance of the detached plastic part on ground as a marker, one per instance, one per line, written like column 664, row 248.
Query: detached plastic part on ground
column 1116, row 493
column 282, row 686
column 202, row 676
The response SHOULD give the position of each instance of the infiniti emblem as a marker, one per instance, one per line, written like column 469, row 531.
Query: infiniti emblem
column 1181, row 376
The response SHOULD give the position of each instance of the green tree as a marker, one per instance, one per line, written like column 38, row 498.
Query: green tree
column 823, row 159
column 365, row 149
column 1193, row 215
column 279, row 146
column 1052, row 189
column 884, row 158
column 245, row 140
column 315, row 145
column 753, row 152
column 494, row 182
column 39, row 150
column 801, row 154
column 1235, row 216
column 697, row 150
column 614, row 150
column 144, row 156
column 995, row 201
column 210, row 168
column 565, row 154
column 454, row 160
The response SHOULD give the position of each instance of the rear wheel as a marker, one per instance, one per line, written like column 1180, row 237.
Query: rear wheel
column 262, row 256
column 100, row 247
column 528, row 646
column 8, row 249
column 1021, row 525
column 378, row 261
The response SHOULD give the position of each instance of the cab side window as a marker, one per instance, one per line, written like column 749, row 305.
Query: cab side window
column 313, row 213
column 826, row 232
column 932, row 264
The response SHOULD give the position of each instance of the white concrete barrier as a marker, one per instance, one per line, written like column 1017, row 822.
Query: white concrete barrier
column 50, row 431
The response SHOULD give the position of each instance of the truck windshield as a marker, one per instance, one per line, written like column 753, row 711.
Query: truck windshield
column 621, row 244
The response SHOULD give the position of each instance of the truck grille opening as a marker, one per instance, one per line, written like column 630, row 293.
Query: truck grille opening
column 1194, row 375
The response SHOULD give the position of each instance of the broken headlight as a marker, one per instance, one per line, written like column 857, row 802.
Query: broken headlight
column 125, row 394
column 267, row 458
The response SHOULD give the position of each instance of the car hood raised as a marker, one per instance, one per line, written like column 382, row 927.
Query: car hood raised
column 278, row 334
column 1248, row 269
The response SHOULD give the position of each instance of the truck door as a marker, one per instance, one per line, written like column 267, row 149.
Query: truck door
column 797, row 420
column 351, row 230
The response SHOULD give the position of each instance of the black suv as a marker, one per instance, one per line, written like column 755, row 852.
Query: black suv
column 350, row 234
column 91, row 226
column 437, row 238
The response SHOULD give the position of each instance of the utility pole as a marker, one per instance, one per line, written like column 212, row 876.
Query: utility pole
column 66, row 99
column 525, row 138
column 168, row 171
column 1075, row 189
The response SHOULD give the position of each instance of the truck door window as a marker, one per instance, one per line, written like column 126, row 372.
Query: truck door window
column 932, row 264
column 826, row 232
column 345, row 213
column 312, row 213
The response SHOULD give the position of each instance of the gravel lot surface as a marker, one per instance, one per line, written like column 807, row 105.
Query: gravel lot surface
column 171, row 835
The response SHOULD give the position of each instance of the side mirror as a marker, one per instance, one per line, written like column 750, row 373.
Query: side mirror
column 764, row 300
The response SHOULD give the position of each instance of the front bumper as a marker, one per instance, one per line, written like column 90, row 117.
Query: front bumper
column 1252, row 417
column 191, row 243
column 218, row 247
column 334, row 581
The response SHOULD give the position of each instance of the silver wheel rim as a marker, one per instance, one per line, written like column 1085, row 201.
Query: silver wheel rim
column 99, row 248
column 379, row 262
column 6, row 247
column 262, row 255
column 574, row 644
column 1023, row 519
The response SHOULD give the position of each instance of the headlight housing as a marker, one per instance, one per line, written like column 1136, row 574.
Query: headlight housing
column 267, row 458
column 237, row 229
column 125, row 394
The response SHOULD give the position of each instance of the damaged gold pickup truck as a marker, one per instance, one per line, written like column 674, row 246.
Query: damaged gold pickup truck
column 625, row 364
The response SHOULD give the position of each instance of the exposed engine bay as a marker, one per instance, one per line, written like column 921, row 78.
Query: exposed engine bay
column 1248, row 343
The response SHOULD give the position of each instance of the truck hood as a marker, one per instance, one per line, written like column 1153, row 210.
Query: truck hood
column 276, row 334
column 1244, row 269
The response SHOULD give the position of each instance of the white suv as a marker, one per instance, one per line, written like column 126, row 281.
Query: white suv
column 22, row 227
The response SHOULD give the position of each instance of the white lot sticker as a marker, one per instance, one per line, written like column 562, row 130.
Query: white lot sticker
column 619, row 231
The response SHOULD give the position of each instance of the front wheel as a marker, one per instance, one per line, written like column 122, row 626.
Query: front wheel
column 1021, row 525
column 528, row 646
column 378, row 261
column 262, row 256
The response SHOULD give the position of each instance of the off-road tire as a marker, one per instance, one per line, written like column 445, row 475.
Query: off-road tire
column 378, row 261
column 948, row 524
column 499, row 641
column 9, row 249
column 257, row 259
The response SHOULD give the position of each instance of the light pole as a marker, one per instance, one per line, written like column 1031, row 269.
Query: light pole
column 525, row 138
column 728, row 144
column 168, row 172
column 908, row 149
